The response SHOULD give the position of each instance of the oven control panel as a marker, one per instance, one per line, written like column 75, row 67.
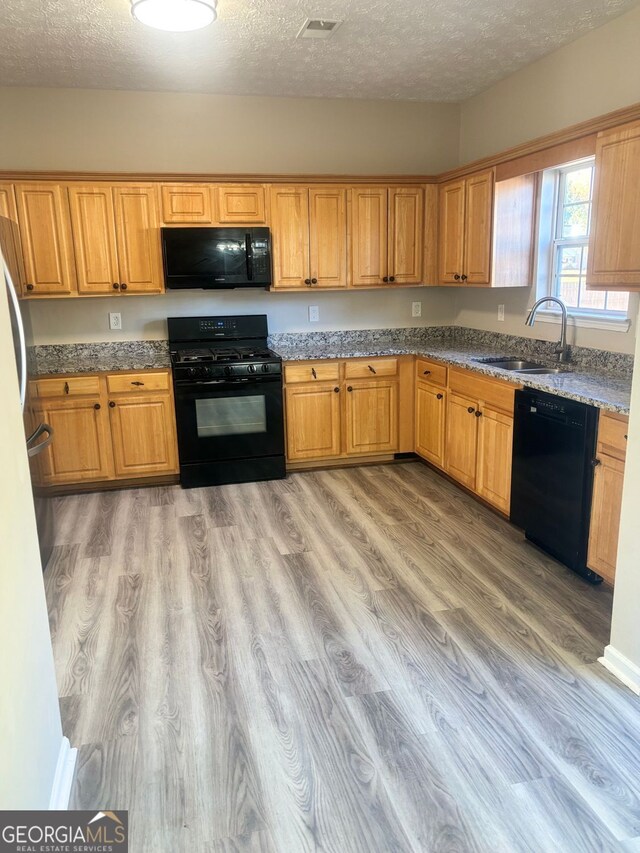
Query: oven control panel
column 238, row 372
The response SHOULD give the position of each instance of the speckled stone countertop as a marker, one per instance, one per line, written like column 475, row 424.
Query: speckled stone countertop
column 98, row 357
column 596, row 377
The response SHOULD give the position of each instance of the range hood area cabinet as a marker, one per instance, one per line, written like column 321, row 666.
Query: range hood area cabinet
column 487, row 231
column 614, row 248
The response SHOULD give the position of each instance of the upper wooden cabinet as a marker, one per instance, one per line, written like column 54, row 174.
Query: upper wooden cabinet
column 309, row 237
column 614, row 249
column 116, row 238
column 187, row 204
column 240, row 204
column 10, row 236
column 486, row 233
column 386, row 235
column 45, row 234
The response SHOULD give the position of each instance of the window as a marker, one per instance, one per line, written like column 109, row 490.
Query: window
column 565, row 219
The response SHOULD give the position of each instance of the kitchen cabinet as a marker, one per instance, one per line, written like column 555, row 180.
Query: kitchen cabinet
column 486, row 231
column 386, row 235
column 606, row 502
column 479, row 435
column 93, row 223
column 240, row 204
column 371, row 416
column 430, row 410
column 309, row 237
column 45, row 235
column 10, row 237
column 115, row 426
column 187, row 204
column 313, row 421
column 614, row 252
column 138, row 238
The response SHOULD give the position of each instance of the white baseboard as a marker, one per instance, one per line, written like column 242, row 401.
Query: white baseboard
column 624, row 669
column 63, row 779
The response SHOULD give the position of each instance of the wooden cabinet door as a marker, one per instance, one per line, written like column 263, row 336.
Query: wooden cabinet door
column 461, row 451
column 406, row 216
column 8, row 207
column 431, row 405
column 10, row 236
column 81, row 447
column 478, row 228
column 313, row 421
column 241, row 203
column 94, row 238
column 606, row 506
column 45, row 233
column 451, row 232
column 187, row 204
column 290, row 234
column 143, row 435
column 372, row 417
column 328, row 236
column 369, row 237
column 495, row 441
column 614, row 249
column 138, row 238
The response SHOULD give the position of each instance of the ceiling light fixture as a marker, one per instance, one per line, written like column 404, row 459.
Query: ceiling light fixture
column 178, row 16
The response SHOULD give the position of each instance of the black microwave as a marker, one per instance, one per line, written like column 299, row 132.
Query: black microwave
column 216, row 258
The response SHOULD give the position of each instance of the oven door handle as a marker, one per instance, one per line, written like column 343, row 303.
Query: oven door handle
column 189, row 386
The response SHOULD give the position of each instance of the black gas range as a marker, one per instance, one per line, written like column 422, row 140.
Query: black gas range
column 228, row 391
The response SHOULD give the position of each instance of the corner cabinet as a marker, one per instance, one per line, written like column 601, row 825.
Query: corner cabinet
column 386, row 235
column 486, row 231
column 116, row 426
column 614, row 249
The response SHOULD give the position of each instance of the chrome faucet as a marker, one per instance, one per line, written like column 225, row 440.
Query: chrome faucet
column 561, row 350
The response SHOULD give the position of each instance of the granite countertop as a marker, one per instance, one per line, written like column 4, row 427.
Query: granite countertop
column 98, row 357
column 609, row 390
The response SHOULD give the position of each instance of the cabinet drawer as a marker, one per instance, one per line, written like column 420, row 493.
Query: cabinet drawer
column 367, row 368
column 492, row 391
column 72, row 386
column 612, row 435
column 122, row 383
column 327, row 371
column 431, row 371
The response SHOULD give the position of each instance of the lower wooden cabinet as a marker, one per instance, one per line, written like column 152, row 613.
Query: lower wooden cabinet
column 105, row 427
column 313, row 421
column 431, row 403
column 81, row 450
column 606, row 503
column 462, row 440
column 372, row 416
column 495, row 443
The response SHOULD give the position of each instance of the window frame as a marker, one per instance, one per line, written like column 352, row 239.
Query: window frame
column 550, row 240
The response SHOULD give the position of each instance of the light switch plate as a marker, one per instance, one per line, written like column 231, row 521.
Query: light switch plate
column 501, row 313
column 416, row 309
column 115, row 321
column 314, row 313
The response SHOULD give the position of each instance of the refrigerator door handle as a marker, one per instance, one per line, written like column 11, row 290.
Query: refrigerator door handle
column 35, row 449
column 13, row 299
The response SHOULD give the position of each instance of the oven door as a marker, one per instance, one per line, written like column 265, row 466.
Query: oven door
column 222, row 420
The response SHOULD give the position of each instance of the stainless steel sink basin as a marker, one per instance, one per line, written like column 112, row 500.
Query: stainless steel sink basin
column 521, row 365
column 542, row 370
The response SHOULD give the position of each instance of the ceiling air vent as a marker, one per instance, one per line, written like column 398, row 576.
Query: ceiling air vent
column 318, row 28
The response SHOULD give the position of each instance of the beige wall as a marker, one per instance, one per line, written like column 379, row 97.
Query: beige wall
column 595, row 74
column 78, row 130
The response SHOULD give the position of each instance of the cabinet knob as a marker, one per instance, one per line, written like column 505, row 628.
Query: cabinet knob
column 112, row 405
column 314, row 281
column 456, row 277
column 29, row 287
column 596, row 462
column 385, row 278
column 478, row 414
column 426, row 372
column 137, row 383
column 337, row 390
column 123, row 286
column 307, row 281
column 471, row 410
column 313, row 373
column 349, row 388
column 116, row 286
column 439, row 396
column 66, row 387
column 392, row 278
column 463, row 277
column 96, row 406
column 372, row 369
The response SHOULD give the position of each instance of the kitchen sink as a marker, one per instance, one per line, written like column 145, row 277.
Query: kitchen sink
column 520, row 365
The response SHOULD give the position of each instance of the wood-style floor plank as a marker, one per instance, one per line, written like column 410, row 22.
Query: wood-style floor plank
column 343, row 661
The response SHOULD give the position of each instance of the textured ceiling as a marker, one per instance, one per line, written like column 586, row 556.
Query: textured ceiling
column 434, row 50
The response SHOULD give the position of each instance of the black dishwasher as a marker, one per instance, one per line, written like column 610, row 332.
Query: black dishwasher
column 554, row 444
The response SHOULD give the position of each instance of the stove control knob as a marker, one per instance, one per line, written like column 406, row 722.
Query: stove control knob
column 192, row 371
column 266, row 368
column 228, row 370
column 251, row 368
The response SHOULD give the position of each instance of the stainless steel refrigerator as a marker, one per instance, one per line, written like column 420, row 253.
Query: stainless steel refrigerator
column 40, row 439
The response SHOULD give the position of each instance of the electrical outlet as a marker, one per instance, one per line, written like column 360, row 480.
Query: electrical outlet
column 416, row 309
column 115, row 321
column 501, row 313
column 314, row 313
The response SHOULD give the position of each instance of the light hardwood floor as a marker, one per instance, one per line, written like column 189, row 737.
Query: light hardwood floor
column 348, row 661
